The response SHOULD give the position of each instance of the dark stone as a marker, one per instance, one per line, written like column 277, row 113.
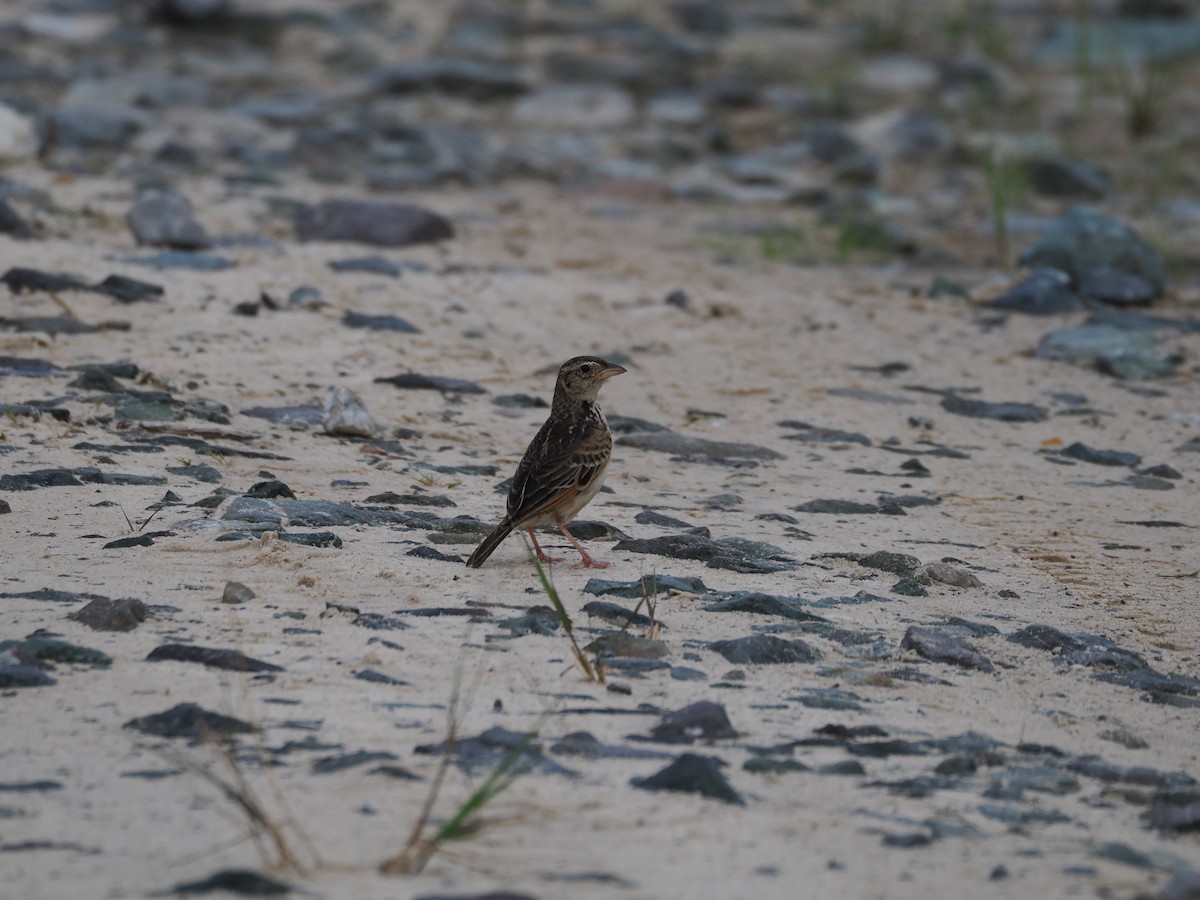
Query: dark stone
column 849, row 508
column 232, row 660
column 763, row 649
column 1162, row 470
column 1079, row 649
column 485, row 752
column 111, row 615
column 234, row 881
column 327, row 765
column 313, row 414
column 424, row 552
column 519, row 401
column 96, row 380
column 370, row 222
column 37, row 650
column 22, row 281
column 646, row 586
column 1084, row 453
column 584, row 744
column 765, row 604
column 886, row 561
column 183, row 259
column 1165, row 815
column 814, row 434
column 980, row 409
column 416, row 381
column 666, row 441
column 1095, row 767
column 206, row 474
column 537, row 620
column 615, row 612
column 189, row 720
column 1123, row 353
column 18, row 675
column 270, row 490
column 379, row 323
column 51, row 595
column 938, row 646
column 1106, row 284
column 12, row 224
column 468, row 78
column 138, row 540
column 694, row 774
column 769, row 766
column 391, row 498
column 373, row 677
column 1058, row 176
column 374, row 265
column 312, row 539
column 700, row 721
column 650, row 517
column 164, row 218
column 41, row 478
column 28, row 368
column 1084, row 239
column 1046, row 292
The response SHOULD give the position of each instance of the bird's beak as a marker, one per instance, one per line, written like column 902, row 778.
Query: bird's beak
column 609, row 371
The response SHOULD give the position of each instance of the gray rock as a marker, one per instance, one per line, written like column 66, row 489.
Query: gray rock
column 576, row 106
column 163, row 218
column 1085, row 239
column 345, row 413
column 1059, row 176
column 764, row 604
column 183, row 259
column 666, row 441
column 1044, row 292
column 1107, row 284
column 765, row 649
column 213, row 657
column 80, row 127
column 1084, row 453
column 1132, row 355
column 980, row 409
column 937, row 646
column 386, row 322
column 693, row 774
column 111, row 615
column 945, row 573
column 236, row 593
column 646, row 586
column 475, row 80
column 370, row 222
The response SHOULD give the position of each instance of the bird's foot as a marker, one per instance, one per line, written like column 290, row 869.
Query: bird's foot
column 589, row 563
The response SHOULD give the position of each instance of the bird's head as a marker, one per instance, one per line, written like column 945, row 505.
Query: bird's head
column 582, row 376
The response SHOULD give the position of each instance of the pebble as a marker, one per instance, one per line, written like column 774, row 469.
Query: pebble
column 164, row 218
column 385, row 322
column 937, row 646
column 763, row 649
column 235, row 592
column 694, row 774
column 1045, row 292
column 103, row 614
column 231, row 660
column 1085, row 238
column 417, row 381
column 190, row 721
column 370, row 222
column 981, row 409
column 665, row 441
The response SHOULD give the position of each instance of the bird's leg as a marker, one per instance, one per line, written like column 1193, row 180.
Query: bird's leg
column 537, row 548
column 588, row 562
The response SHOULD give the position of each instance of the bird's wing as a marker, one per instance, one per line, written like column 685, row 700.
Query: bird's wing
column 558, row 465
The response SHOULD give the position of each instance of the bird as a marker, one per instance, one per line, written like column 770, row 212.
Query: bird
column 563, row 467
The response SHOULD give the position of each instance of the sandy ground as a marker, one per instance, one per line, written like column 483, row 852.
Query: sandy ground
column 533, row 278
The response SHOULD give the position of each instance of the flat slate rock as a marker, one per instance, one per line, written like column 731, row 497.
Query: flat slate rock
column 243, row 882
column 1085, row 239
column 1046, row 292
column 215, row 658
column 51, row 595
column 103, row 614
column 374, row 265
column 980, row 409
column 28, row 368
column 764, row 604
column 693, row 774
column 1084, row 453
column 308, row 414
column 586, row 745
column 379, row 323
column 129, row 290
column 417, row 381
column 765, row 649
column 646, row 586
column 22, row 280
column 183, row 259
column 46, row 651
column 850, row 508
column 189, row 720
column 665, row 441
column 370, row 222
column 700, row 721
column 937, row 646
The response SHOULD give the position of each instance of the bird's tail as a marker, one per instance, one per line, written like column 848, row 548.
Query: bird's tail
column 490, row 543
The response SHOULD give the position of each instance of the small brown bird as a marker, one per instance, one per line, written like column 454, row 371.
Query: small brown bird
column 563, row 467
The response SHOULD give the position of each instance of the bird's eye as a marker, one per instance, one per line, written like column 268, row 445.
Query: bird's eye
column 588, row 369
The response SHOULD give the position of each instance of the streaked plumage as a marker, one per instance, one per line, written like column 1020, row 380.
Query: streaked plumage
column 563, row 467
